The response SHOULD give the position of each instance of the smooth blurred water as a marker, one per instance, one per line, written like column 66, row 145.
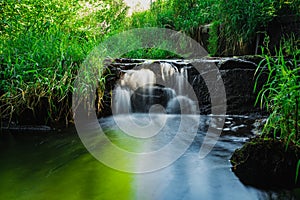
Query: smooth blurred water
column 57, row 166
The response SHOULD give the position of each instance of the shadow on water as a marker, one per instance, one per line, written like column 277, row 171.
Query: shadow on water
column 57, row 166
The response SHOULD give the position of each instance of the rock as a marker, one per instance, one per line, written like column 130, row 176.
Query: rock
column 181, row 105
column 145, row 97
column 266, row 163
column 238, row 75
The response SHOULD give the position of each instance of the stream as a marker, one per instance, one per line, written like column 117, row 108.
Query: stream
column 56, row 165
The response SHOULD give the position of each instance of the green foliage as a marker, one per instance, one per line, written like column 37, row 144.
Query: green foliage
column 242, row 19
column 33, row 16
column 89, row 18
column 287, row 7
column 42, row 45
column 280, row 95
column 173, row 14
column 290, row 45
column 37, row 66
column 99, row 19
column 213, row 40
column 150, row 53
column 143, row 19
column 235, row 23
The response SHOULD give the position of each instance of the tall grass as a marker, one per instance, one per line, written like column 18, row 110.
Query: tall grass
column 185, row 16
column 281, row 96
column 39, row 67
column 42, row 45
column 235, row 23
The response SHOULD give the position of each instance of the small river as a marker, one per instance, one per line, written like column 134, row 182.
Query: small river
column 38, row 166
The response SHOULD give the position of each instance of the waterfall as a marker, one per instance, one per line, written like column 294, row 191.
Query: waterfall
column 169, row 93
column 167, row 71
column 133, row 79
column 121, row 100
column 181, row 81
column 138, row 90
column 181, row 105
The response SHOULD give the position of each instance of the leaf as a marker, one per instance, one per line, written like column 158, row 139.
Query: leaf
column 297, row 171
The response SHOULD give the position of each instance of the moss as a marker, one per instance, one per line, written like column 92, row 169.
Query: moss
column 267, row 163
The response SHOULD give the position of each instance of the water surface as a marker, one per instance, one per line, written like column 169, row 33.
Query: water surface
column 57, row 166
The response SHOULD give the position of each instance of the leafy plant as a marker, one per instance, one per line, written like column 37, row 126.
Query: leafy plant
column 280, row 95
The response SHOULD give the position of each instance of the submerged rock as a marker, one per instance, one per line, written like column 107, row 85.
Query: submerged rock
column 267, row 163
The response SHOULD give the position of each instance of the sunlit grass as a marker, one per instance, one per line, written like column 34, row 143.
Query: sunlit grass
column 43, row 44
column 280, row 95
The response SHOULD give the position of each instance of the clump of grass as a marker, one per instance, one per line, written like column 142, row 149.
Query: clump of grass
column 42, row 46
column 241, row 20
column 280, row 95
column 40, row 67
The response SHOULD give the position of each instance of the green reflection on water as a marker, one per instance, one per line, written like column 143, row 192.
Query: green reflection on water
column 57, row 166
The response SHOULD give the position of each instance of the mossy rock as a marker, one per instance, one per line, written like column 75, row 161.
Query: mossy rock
column 267, row 163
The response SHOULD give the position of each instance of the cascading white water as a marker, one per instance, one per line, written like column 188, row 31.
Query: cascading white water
column 169, row 93
column 168, row 71
column 181, row 105
column 133, row 79
column 121, row 100
column 181, row 81
column 137, row 87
